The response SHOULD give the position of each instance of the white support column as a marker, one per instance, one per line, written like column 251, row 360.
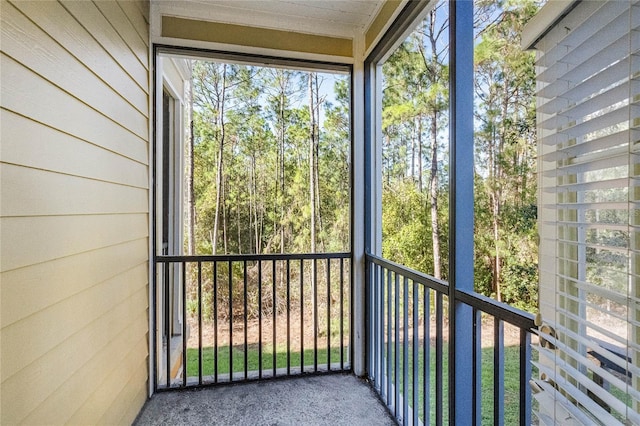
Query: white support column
column 358, row 213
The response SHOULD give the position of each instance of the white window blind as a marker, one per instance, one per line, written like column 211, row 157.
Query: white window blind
column 588, row 72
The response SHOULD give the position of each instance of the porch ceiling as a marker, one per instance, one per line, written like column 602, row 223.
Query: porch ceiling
column 337, row 18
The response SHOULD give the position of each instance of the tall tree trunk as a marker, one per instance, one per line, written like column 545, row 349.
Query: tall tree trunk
column 433, row 195
column 420, row 183
column 312, row 162
column 191, row 199
column 496, row 241
column 254, row 189
column 497, row 197
column 312, row 193
column 282, row 172
column 316, row 159
column 414, row 142
column 219, row 175
column 225, row 229
column 238, row 226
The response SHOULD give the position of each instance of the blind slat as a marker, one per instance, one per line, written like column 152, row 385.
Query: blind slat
column 595, row 145
column 595, row 17
column 589, row 175
column 612, row 96
column 580, row 91
column 578, row 395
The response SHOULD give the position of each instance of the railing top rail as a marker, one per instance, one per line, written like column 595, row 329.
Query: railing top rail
column 249, row 257
column 419, row 277
column 499, row 310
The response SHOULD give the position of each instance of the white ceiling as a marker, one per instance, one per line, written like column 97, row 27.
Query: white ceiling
column 343, row 18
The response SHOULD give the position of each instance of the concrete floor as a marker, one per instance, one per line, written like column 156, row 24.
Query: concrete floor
column 335, row 399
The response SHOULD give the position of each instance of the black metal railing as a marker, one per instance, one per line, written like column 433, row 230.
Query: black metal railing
column 229, row 318
column 408, row 354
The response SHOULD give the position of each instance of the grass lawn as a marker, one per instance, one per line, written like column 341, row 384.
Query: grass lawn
column 253, row 360
column 511, row 385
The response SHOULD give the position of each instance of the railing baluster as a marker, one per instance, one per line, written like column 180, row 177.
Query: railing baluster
column 375, row 329
column 246, row 327
column 274, row 308
column 315, row 314
column 184, row 319
column 301, row 315
column 396, row 355
column 215, row 322
column 439, row 359
column 389, row 339
column 426, row 354
column 350, row 303
column 167, row 329
column 405, row 351
column 328, row 314
column 386, row 357
column 184, row 330
column 415, row 365
column 230, row 271
column 172, row 271
column 155, row 328
column 498, row 372
column 341, row 313
column 288, row 318
column 525, row 376
column 259, row 319
column 477, row 366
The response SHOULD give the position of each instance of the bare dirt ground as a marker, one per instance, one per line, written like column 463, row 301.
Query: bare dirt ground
column 511, row 333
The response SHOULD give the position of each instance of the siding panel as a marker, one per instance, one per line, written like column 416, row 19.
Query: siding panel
column 104, row 341
column 31, row 240
column 53, row 19
column 33, row 192
column 74, row 211
column 57, row 65
column 89, row 16
column 35, row 145
column 112, row 11
column 71, row 315
column 138, row 20
column 26, row 93
column 101, row 400
column 26, row 291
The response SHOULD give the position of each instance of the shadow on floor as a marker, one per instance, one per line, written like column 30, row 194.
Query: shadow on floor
column 335, row 399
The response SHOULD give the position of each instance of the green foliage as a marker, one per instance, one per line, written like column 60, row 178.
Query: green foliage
column 415, row 131
column 258, row 119
column 506, row 247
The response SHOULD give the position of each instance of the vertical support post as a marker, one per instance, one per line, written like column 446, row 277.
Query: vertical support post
column 461, row 210
column 358, row 285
